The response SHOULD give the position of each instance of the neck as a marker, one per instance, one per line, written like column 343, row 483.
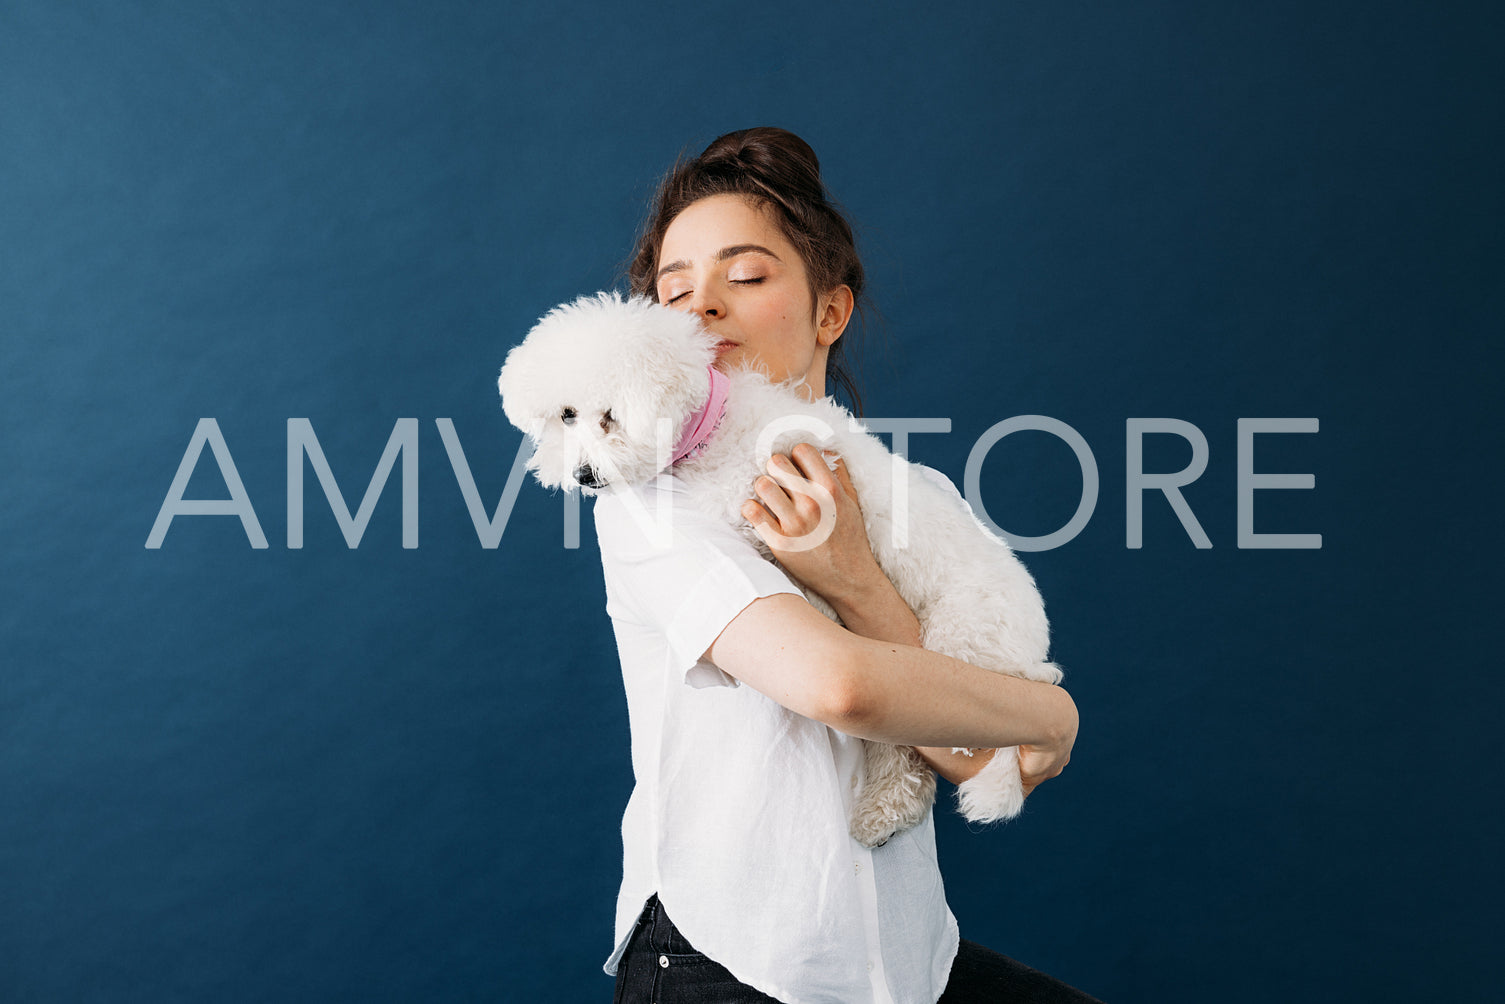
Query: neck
column 814, row 384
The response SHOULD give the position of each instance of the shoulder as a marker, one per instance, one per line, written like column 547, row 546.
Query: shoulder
column 676, row 572
column 654, row 540
column 656, row 517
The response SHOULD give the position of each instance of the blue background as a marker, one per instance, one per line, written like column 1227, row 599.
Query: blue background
column 384, row 774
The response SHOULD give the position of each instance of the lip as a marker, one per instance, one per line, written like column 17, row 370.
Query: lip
column 724, row 346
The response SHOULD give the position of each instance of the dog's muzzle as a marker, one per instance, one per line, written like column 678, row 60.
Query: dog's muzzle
column 586, row 475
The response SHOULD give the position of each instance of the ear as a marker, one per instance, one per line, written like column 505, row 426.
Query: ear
column 512, row 385
column 835, row 311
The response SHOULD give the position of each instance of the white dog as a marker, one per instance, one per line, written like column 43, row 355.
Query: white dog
column 614, row 392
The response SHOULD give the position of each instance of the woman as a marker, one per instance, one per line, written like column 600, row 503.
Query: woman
column 746, row 705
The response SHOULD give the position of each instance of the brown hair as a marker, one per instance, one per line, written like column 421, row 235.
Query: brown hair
column 779, row 170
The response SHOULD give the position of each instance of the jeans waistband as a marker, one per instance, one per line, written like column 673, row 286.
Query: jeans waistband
column 660, row 931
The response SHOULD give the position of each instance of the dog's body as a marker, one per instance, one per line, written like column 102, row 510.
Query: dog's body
column 602, row 386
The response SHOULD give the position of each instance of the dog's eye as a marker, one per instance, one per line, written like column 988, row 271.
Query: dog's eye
column 607, row 421
column 567, row 416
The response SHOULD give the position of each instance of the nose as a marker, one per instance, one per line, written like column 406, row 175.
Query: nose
column 708, row 306
column 586, row 475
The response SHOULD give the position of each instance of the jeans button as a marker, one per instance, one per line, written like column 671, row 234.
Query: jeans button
column 663, row 962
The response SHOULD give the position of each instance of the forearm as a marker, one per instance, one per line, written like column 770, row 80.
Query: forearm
column 781, row 646
column 911, row 697
column 894, row 696
column 877, row 611
column 881, row 614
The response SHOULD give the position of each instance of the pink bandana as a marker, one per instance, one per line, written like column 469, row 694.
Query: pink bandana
column 702, row 424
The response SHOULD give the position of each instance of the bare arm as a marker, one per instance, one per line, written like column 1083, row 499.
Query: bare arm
column 785, row 648
column 876, row 685
column 888, row 618
column 877, row 611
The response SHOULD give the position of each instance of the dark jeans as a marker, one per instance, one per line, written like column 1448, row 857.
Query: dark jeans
column 661, row 967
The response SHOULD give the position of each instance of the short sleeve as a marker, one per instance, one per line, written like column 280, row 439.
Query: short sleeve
column 678, row 573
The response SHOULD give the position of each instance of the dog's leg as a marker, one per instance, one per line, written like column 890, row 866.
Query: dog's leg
column 995, row 792
column 897, row 791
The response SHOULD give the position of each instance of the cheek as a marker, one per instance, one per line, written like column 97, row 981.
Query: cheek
column 780, row 325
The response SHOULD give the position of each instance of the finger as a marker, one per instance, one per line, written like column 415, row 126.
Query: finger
column 845, row 480
column 1034, row 780
column 805, row 512
column 808, row 498
column 784, row 469
column 761, row 521
column 794, row 466
column 812, row 464
column 777, row 502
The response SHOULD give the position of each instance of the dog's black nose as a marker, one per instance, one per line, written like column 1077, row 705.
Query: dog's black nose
column 586, row 475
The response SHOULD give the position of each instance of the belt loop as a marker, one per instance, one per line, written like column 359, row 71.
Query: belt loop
column 658, row 938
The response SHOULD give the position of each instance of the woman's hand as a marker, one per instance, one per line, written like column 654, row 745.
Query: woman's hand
column 809, row 517
column 1037, row 763
column 1042, row 762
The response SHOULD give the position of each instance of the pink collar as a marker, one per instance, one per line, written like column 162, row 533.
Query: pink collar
column 702, row 424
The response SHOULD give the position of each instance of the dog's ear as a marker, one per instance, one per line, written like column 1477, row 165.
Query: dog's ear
column 515, row 384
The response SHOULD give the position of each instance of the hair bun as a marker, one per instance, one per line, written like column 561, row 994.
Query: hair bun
column 775, row 156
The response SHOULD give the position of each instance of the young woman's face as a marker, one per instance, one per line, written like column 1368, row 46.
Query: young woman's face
column 725, row 260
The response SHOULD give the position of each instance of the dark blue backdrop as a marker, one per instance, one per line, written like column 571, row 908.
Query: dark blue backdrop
column 396, row 774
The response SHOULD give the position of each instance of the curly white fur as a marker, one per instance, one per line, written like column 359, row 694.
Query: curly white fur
column 603, row 386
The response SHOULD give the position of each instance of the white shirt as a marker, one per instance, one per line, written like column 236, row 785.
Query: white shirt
column 738, row 819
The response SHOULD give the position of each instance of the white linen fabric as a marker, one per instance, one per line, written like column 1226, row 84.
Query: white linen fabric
column 738, row 818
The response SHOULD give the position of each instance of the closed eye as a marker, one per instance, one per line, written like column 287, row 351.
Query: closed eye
column 735, row 282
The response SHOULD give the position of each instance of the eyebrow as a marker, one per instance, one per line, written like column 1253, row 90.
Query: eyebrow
column 722, row 255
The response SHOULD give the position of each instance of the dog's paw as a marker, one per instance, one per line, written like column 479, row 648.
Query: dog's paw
column 870, row 831
column 994, row 793
column 898, row 791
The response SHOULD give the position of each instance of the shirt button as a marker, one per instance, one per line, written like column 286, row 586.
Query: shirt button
column 663, row 962
column 856, row 867
column 869, row 967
